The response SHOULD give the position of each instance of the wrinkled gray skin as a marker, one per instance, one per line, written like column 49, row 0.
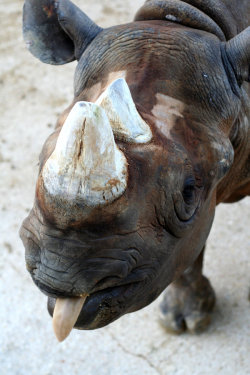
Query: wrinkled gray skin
column 126, row 253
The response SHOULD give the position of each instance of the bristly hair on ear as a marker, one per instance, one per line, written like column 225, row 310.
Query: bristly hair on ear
column 57, row 32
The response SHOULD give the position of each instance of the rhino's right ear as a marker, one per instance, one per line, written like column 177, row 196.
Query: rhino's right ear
column 57, row 31
column 238, row 52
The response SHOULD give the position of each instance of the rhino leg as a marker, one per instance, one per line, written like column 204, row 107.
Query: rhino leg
column 188, row 302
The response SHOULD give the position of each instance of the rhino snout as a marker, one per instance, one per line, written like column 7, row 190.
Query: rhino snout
column 60, row 275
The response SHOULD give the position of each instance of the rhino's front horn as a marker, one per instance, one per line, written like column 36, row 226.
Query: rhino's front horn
column 86, row 167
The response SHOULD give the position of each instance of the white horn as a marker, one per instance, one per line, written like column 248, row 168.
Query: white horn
column 86, row 166
column 124, row 118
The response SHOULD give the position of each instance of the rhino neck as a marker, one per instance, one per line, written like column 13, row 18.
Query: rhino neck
column 236, row 184
column 223, row 18
column 219, row 12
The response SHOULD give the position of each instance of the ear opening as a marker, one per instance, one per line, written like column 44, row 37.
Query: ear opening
column 56, row 32
column 238, row 53
column 78, row 26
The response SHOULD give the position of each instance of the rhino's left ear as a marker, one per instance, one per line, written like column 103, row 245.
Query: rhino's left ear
column 238, row 52
column 57, row 31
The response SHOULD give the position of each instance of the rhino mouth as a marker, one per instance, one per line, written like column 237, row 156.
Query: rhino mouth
column 98, row 309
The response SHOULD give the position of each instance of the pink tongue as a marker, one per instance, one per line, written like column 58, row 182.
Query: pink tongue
column 65, row 315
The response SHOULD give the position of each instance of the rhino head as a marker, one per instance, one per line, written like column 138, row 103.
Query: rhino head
column 128, row 182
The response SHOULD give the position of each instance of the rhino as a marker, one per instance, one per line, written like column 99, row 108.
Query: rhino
column 156, row 136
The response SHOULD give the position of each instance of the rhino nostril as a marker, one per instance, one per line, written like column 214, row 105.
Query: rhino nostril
column 50, row 291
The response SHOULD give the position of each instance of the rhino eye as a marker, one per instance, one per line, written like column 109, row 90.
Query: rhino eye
column 186, row 202
column 188, row 192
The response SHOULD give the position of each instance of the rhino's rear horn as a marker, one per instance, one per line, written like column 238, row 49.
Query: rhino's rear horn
column 238, row 52
column 56, row 32
column 126, row 122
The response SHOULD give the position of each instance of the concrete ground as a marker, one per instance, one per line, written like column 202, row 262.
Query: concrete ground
column 31, row 97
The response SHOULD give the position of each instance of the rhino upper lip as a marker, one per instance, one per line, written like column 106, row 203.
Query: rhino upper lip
column 109, row 289
column 101, row 299
column 72, row 312
column 136, row 275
